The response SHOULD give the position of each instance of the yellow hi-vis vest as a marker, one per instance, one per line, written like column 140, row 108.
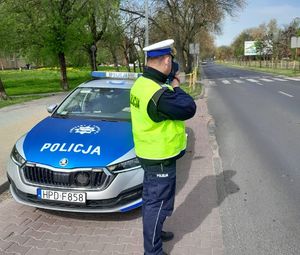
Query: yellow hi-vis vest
column 153, row 140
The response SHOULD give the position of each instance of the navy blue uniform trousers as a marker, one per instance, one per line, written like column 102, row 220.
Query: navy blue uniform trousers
column 158, row 203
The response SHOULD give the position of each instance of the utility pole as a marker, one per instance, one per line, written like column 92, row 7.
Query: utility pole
column 146, row 27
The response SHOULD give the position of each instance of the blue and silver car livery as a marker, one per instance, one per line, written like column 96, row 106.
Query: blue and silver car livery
column 82, row 157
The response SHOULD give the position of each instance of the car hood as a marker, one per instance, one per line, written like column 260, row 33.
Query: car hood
column 73, row 143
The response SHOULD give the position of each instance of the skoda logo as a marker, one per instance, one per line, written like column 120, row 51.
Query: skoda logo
column 63, row 162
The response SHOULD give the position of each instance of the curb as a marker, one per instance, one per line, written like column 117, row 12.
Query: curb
column 202, row 94
column 216, row 159
column 211, row 127
column 41, row 94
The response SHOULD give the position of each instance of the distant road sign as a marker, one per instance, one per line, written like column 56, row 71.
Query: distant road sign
column 295, row 42
column 194, row 48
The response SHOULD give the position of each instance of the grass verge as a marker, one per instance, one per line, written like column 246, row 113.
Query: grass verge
column 26, row 83
column 17, row 100
column 194, row 92
column 44, row 80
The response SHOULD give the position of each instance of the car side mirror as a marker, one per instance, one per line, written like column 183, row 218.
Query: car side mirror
column 51, row 108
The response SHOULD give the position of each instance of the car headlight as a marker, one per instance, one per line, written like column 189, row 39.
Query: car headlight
column 124, row 166
column 17, row 158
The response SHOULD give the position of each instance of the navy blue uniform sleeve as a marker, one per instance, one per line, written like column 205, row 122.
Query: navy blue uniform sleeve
column 173, row 105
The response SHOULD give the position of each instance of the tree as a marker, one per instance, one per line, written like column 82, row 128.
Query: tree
column 224, row 53
column 98, row 15
column 3, row 95
column 207, row 47
column 127, row 34
column 292, row 29
column 49, row 27
column 61, row 18
column 187, row 18
column 7, row 42
column 9, row 45
column 132, row 38
column 271, row 40
column 238, row 43
column 183, row 20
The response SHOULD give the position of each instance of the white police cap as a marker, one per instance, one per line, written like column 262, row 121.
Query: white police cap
column 159, row 49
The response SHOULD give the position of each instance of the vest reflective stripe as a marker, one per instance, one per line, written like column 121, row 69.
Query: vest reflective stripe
column 153, row 140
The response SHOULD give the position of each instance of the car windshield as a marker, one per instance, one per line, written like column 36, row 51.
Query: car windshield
column 102, row 103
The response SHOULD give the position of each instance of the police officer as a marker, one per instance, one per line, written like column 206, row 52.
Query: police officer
column 158, row 111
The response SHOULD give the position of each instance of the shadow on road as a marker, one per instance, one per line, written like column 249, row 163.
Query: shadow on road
column 184, row 164
column 199, row 203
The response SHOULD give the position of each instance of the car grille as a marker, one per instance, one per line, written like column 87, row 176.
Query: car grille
column 77, row 179
column 125, row 197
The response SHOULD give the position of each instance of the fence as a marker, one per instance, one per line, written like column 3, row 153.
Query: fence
column 272, row 64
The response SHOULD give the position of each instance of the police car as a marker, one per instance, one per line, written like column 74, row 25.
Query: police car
column 81, row 158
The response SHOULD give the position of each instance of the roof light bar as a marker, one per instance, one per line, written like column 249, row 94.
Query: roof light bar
column 118, row 75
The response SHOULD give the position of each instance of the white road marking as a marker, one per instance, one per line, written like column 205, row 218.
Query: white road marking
column 278, row 79
column 259, row 84
column 293, row 79
column 286, row 94
column 252, row 80
column 238, row 81
column 267, row 80
column 212, row 83
column 226, row 82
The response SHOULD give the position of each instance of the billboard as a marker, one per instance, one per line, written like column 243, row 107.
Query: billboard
column 249, row 48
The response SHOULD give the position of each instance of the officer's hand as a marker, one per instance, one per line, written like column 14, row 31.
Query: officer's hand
column 176, row 81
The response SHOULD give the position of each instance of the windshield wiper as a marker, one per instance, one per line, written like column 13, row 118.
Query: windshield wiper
column 62, row 116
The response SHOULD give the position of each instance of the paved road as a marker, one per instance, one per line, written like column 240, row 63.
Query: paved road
column 258, row 130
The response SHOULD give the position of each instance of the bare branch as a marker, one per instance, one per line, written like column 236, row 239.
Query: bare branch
column 143, row 16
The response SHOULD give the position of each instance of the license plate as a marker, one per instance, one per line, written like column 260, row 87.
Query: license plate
column 63, row 196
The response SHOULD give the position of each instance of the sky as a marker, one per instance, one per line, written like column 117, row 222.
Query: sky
column 255, row 13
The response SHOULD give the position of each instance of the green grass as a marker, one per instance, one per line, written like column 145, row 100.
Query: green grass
column 17, row 100
column 47, row 80
column 286, row 72
column 44, row 80
column 40, row 80
column 193, row 92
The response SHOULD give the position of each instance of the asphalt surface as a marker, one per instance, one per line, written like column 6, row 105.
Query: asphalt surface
column 257, row 120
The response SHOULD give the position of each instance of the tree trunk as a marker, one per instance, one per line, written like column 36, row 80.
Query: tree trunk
column 115, row 58
column 260, row 60
column 140, row 63
column 180, row 55
column 93, row 55
column 63, row 71
column 189, row 63
column 3, row 95
column 127, row 60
